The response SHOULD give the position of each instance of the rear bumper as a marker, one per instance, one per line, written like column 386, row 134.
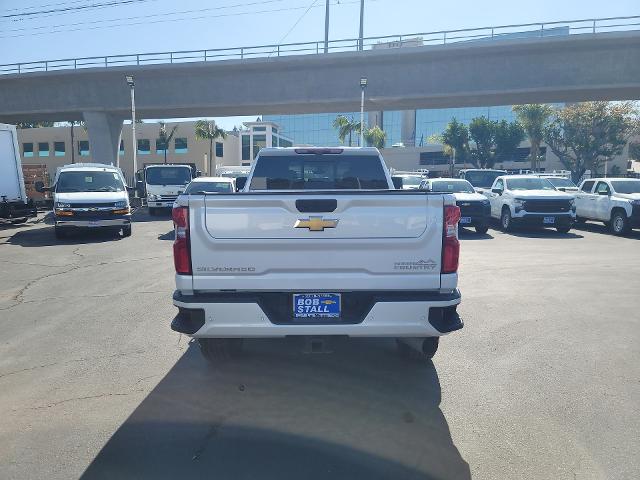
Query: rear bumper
column 267, row 314
column 160, row 203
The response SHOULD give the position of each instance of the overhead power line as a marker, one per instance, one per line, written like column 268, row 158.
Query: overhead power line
column 112, row 3
column 200, row 17
column 153, row 15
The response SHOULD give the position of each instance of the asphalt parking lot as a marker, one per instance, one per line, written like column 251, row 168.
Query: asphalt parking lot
column 543, row 381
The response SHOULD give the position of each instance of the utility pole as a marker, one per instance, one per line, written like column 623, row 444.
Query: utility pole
column 132, row 86
column 326, row 28
column 363, row 85
column 361, row 37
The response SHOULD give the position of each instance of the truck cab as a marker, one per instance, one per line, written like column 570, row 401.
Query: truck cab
column 90, row 196
column 164, row 182
column 614, row 201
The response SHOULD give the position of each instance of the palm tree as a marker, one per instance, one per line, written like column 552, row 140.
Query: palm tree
column 375, row 137
column 345, row 127
column 208, row 130
column 165, row 138
column 533, row 118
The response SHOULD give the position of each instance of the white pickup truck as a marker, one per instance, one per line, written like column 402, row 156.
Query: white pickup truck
column 317, row 244
column 614, row 201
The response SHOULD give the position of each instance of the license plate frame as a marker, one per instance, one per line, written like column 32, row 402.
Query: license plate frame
column 548, row 220
column 465, row 220
column 314, row 306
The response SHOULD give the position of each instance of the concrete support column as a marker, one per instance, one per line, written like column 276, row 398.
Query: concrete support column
column 104, row 132
column 408, row 128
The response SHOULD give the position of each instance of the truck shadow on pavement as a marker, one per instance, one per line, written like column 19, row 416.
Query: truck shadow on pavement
column 604, row 230
column 45, row 237
column 542, row 233
column 276, row 413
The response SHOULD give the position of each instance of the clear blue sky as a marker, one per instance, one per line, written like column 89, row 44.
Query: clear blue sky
column 137, row 26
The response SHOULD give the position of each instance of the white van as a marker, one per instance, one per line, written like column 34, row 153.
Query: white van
column 90, row 195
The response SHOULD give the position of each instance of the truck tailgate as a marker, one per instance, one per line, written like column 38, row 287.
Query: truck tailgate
column 295, row 241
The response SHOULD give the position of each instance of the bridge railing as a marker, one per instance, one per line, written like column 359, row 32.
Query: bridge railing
column 443, row 37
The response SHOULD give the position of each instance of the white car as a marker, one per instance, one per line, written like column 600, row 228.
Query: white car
column 410, row 180
column 475, row 209
column 89, row 196
column 530, row 200
column 317, row 244
column 614, row 201
column 201, row 185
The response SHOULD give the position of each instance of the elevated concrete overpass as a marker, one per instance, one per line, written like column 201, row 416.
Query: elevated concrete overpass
column 601, row 66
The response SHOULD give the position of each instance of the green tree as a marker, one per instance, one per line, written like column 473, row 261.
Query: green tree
column 208, row 130
column 33, row 124
column 507, row 139
column 375, row 137
column 455, row 140
column 585, row 135
column 165, row 137
column 346, row 127
column 533, row 117
column 483, row 131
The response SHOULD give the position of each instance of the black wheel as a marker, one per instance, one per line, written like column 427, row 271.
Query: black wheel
column 564, row 229
column 220, row 349
column 580, row 219
column 60, row 233
column 619, row 223
column 482, row 230
column 126, row 231
column 153, row 211
column 506, row 222
column 18, row 221
column 429, row 349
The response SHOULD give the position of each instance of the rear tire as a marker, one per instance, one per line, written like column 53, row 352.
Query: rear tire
column 506, row 222
column 619, row 223
column 429, row 349
column 220, row 349
column 126, row 231
column 580, row 220
column 482, row 230
column 18, row 221
column 564, row 229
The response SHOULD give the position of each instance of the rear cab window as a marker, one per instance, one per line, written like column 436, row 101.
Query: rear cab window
column 319, row 172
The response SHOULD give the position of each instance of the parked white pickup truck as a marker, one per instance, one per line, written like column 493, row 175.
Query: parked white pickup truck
column 318, row 243
column 614, row 201
column 530, row 200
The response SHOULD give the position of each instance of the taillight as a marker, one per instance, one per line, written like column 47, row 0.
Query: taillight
column 450, row 243
column 181, row 251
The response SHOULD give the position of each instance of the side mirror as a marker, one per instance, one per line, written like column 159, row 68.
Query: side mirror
column 397, row 182
column 198, row 173
column 240, row 183
column 497, row 190
column 562, row 189
column 131, row 189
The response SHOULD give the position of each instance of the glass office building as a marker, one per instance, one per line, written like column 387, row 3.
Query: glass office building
column 314, row 128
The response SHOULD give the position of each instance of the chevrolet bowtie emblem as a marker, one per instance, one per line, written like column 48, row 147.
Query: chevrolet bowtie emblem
column 316, row 224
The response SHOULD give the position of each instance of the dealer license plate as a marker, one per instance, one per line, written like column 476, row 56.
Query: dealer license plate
column 549, row 220
column 465, row 220
column 316, row 305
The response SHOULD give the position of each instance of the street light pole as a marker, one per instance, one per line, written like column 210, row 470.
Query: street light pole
column 132, row 86
column 363, row 85
column 361, row 37
column 326, row 28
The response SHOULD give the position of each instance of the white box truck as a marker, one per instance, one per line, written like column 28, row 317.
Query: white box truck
column 15, row 206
